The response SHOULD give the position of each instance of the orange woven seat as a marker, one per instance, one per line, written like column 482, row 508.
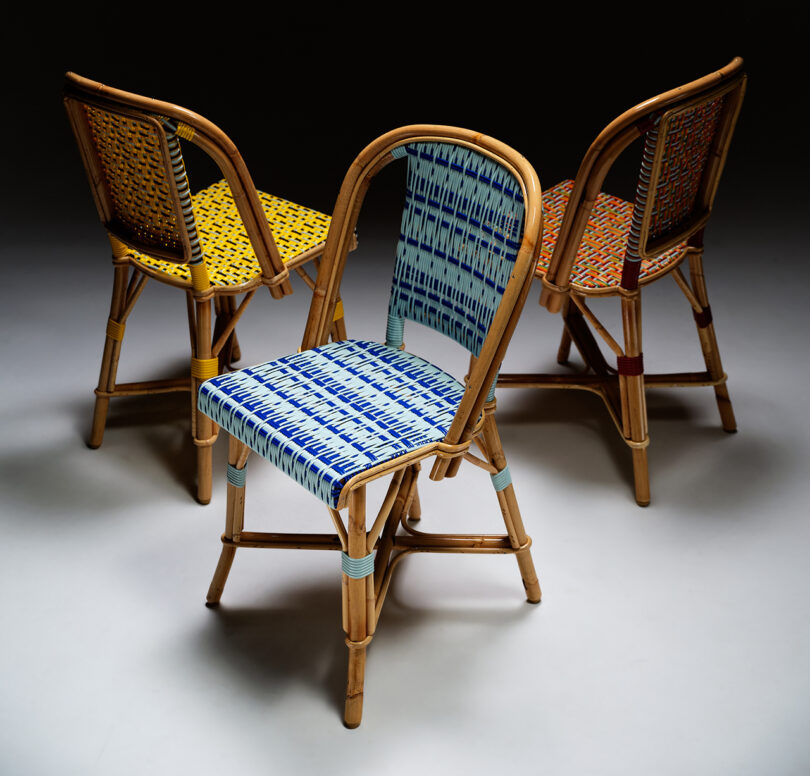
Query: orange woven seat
column 601, row 253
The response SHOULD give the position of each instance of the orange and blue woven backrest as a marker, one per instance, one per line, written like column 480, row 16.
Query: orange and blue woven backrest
column 144, row 178
column 681, row 142
column 461, row 230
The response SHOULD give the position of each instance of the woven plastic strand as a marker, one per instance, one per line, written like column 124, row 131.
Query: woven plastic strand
column 394, row 331
column 237, row 476
column 357, row 568
column 502, row 479
column 461, row 230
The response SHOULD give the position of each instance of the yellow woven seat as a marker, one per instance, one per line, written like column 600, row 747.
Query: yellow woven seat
column 226, row 247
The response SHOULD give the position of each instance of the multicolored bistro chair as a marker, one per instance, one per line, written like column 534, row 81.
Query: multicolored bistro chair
column 337, row 416
column 596, row 245
column 227, row 239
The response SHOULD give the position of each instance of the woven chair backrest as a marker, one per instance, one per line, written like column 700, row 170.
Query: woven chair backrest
column 461, row 230
column 141, row 186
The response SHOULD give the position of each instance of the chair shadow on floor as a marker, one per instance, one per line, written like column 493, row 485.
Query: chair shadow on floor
column 547, row 429
column 270, row 650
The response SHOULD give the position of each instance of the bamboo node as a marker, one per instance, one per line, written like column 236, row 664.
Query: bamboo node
column 359, row 644
column 207, row 442
column 638, row 445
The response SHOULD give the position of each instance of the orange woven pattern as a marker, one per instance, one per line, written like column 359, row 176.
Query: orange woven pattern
column 601, row 254
column 136, row 176
column 227, row 251
column 686, row 149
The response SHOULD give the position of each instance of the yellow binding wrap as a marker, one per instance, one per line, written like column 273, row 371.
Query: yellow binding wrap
column 204, row 368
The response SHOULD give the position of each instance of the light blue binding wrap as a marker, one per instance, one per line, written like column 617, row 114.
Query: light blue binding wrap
column 501, row 480
column 357, row 568
column 237, row 476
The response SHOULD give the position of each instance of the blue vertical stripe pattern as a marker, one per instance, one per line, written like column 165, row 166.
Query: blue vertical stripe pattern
column 461, row 230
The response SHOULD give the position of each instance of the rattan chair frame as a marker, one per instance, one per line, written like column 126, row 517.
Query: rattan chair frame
column 622, row 389
column 474, row 423
column 213, row 348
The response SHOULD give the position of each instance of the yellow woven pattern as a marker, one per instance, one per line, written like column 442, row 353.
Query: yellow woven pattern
column 130, row 156
column 226, row 248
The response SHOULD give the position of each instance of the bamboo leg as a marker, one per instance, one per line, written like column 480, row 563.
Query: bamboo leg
column 202, row 427
column 109, row 359
column 357, row 613
column 234, row 522
column 224, row 309
column 633, row 399
column 511, row 512
column 708, row 343
column 564, row 351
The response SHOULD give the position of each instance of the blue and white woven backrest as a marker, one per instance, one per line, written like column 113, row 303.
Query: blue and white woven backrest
column 461, row 230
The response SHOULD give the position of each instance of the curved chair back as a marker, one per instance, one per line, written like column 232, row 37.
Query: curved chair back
column 468, row 245
column 130, row 147
column 687, row 132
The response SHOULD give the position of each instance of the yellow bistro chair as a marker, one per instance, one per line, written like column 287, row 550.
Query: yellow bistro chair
column 227, row 239
column 599, row 245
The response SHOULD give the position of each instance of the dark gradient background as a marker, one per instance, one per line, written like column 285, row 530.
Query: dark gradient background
column 671, row 640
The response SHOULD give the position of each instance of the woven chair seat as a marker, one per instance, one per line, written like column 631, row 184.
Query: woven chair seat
column 324, row 415
column 226, row 248
column 598, row 265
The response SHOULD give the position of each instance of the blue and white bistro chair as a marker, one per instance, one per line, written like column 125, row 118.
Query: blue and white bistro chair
column 335, row 416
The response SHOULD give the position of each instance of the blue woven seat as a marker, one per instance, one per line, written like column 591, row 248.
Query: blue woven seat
column 327, row 414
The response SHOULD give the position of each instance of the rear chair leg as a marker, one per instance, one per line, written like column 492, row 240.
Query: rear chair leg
column 203, row 367
column 234, row 519
column 502, row 482
column 708, row 340
column 109, row 359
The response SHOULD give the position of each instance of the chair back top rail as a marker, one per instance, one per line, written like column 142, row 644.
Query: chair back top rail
column 148, row 129
column 687, row 133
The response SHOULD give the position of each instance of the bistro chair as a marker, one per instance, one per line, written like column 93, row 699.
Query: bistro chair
column 227, row 239
column 597, row 245
column 336, row 416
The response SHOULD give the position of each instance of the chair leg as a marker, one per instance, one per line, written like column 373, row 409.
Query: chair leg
column 109, row 359
column 202, row 427
column 510, row 510
column 708, row 342
column 358, row 610
column 633, row 399
column 224, row 309
column 234, row 518
column 564, row 350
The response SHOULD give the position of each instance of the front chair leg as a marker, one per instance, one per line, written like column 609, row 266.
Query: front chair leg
column 633, row 399
column 358, row 605
column 203, row 367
